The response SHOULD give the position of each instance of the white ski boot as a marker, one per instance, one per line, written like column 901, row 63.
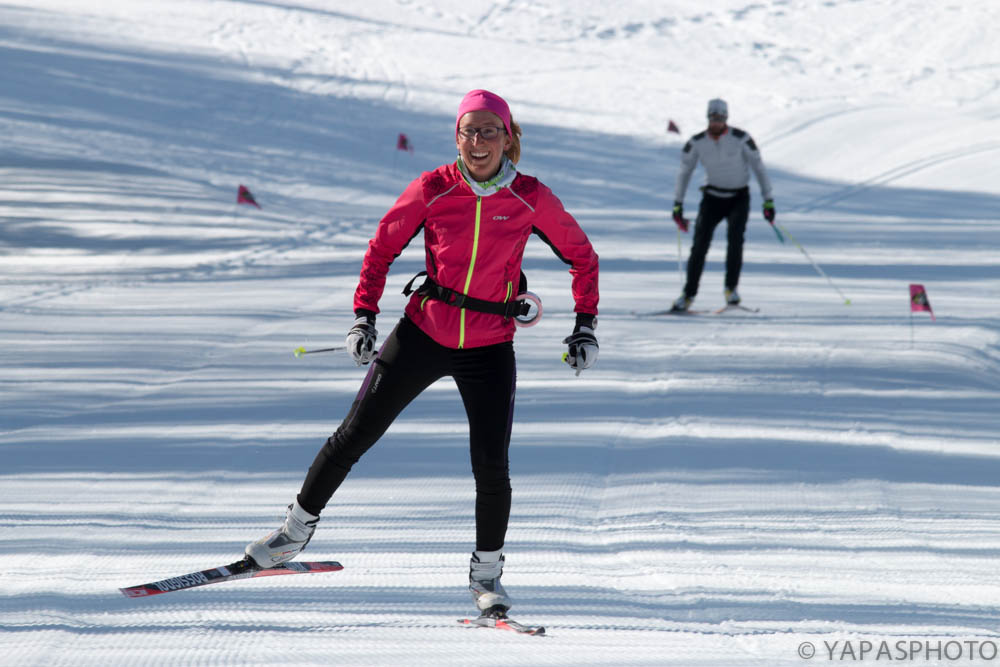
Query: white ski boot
column 732, row 297
column 285, row 543
column 485, row 570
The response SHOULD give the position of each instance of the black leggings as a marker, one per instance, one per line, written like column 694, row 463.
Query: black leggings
column 409, row 362
column 713, row 209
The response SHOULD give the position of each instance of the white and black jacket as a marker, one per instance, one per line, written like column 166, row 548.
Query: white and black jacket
column 727, row 161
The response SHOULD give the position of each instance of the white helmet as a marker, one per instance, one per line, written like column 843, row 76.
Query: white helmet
column 718, row 107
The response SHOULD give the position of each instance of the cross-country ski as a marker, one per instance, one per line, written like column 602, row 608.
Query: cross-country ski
column 728, row 308
column 735, row 307
column 241, row 569
column 497, row 619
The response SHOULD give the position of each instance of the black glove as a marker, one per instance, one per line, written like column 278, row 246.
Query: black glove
column 769, row 210
column 682, row 224
column 362, row 336
column 583, row 347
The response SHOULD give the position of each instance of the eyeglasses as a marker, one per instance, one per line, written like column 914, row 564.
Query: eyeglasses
column 489, row 133
column 716, row 118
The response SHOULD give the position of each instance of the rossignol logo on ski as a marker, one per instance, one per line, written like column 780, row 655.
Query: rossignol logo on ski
column 186, row 581
column 242, row 569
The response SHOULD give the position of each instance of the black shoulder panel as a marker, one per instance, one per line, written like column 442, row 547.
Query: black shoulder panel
column 737, row 132
column 690, row 144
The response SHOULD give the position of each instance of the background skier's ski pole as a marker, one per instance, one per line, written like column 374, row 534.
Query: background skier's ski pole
column 782, row 232
column 299, row 351
column 680, row 252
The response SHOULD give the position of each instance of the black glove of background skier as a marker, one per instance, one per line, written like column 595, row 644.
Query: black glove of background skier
column 682, row 224
column 362, row 336
column 769, row 211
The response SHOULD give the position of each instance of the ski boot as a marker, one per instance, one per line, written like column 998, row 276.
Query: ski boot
column 682, row 304
column 285, row 543
column 485, row 570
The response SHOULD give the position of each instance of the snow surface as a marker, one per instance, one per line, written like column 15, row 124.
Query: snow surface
column 716, row 491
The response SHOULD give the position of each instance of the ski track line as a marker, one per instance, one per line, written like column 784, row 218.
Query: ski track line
column 309, row 234
column 891, row 175
column 793, row 131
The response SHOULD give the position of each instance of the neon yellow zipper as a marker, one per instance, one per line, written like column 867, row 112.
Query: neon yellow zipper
column 468, row 277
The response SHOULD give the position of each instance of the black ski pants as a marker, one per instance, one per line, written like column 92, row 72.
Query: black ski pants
column 712, row 210
column 409, row 362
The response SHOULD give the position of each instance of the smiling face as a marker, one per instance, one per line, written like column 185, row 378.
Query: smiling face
column 482, row 156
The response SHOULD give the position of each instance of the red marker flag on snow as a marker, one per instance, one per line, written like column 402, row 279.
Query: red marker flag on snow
column 918, row 300
column 672, row 127
column 243, row 196
column 403, row 143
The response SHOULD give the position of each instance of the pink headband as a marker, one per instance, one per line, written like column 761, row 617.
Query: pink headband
column 484, row 100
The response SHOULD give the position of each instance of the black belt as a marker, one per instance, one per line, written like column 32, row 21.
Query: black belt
column 429, row 288
column 735, row 191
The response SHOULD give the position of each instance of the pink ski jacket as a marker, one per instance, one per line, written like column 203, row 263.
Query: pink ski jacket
column 474, row 243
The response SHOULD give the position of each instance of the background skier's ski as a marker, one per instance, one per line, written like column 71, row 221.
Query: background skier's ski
column 735, row 306
column 718, row 311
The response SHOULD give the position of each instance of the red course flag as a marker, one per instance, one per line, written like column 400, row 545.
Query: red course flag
column 403, row 143
column 243, row 196
column 918, row 299
column 672, row 127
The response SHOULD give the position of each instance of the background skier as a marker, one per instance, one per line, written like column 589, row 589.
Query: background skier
column 727, row 155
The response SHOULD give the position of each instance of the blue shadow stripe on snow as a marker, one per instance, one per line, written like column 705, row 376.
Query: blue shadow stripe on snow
column 565, row 606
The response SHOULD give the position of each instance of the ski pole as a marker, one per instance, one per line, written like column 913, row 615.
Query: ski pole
column 299, row 351
column 680, row 252
column 777, row 233
column 798, row 245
